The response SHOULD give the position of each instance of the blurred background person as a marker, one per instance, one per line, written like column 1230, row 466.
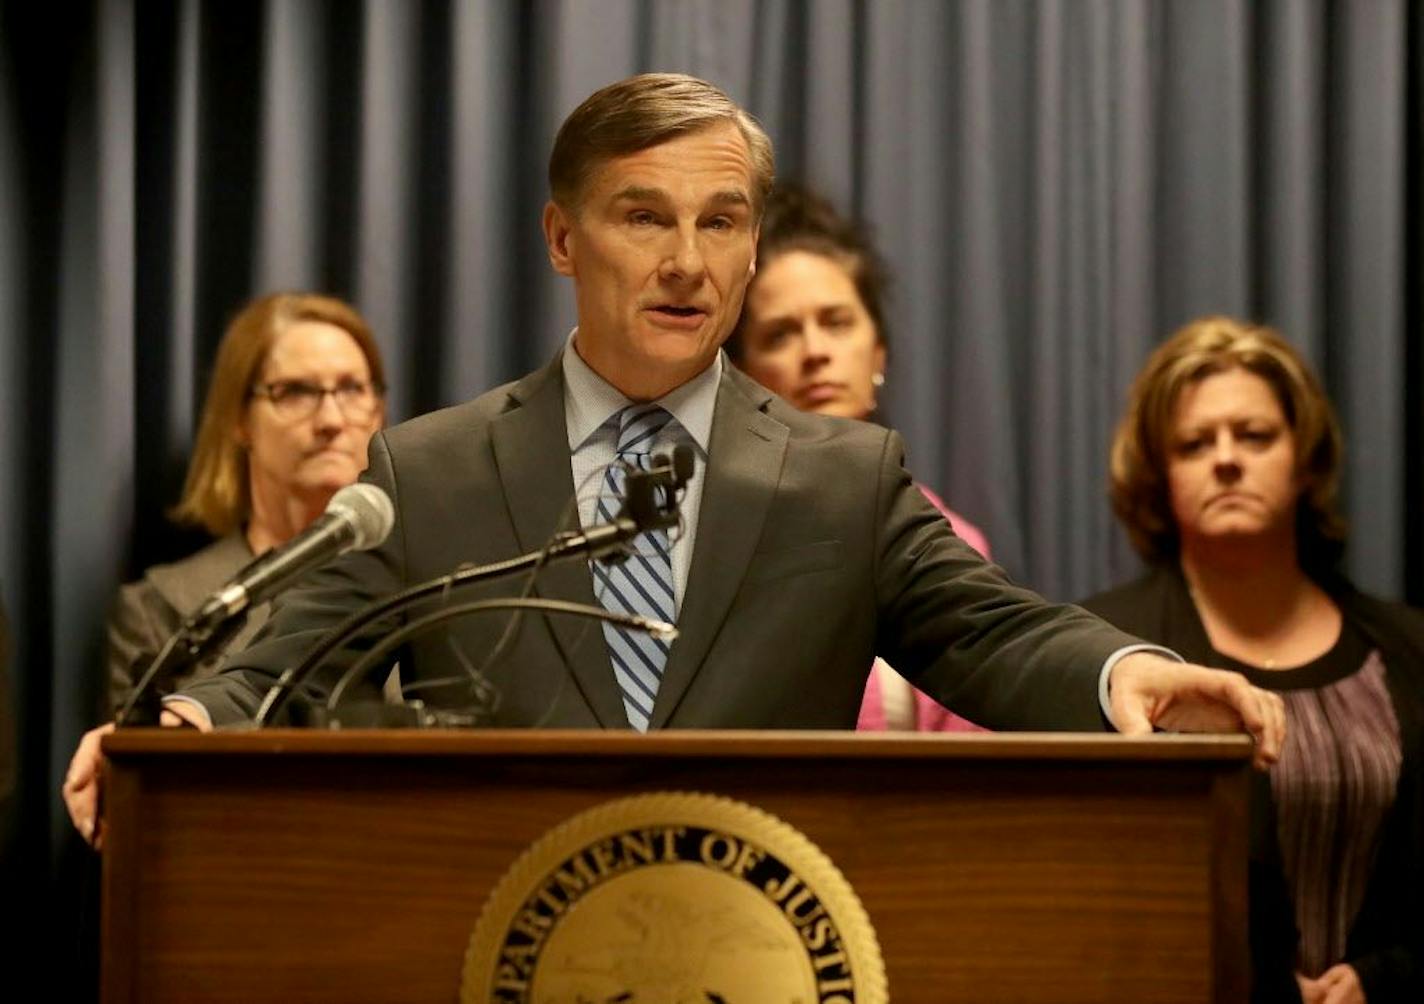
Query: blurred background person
column 813, row 330
column 9, row 755
column 297, row 390
column 1225, row 470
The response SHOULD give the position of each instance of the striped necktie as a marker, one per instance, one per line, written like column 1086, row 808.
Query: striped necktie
column 642, row 584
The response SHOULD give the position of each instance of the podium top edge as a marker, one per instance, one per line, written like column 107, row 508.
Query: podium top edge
column 551, row 744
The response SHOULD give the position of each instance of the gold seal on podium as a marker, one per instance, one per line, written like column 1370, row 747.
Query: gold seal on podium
column 671, row 899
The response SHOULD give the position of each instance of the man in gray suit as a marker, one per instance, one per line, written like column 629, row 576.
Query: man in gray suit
column 805, row 549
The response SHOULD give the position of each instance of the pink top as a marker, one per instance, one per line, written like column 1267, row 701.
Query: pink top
column 929, row 714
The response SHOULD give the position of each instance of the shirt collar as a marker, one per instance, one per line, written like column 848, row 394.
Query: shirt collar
column 590, row 400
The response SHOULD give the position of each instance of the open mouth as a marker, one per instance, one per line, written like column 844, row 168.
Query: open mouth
column 674, row 311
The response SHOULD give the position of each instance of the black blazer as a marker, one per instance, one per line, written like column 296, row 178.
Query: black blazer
column 148, row 611
column 814, row 553
column 1386, row 942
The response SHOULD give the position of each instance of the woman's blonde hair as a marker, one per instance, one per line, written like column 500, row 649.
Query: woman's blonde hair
column 215, row 493
column 1140, row 448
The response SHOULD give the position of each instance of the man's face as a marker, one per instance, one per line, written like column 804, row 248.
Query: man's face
column 660, row 248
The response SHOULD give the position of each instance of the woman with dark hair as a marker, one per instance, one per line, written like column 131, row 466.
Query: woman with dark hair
column 297, row 391
column 1225, row 471
column 813, row 330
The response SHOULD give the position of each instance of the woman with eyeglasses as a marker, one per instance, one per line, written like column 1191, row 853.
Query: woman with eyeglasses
column 297, row 391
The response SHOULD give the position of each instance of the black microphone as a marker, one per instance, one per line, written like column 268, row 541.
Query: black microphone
column 682, row 465
column 357, row 518
column 650, row 498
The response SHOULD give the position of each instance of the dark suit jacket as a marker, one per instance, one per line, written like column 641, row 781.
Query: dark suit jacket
column 148, row 611
column 1386, row 941
column 814, row 553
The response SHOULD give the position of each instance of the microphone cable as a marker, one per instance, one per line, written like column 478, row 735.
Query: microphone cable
column 392, row 641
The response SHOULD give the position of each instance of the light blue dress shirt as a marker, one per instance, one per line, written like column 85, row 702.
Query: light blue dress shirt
column 590, row 401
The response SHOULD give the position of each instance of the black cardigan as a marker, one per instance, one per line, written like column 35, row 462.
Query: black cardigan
column 1386, row 942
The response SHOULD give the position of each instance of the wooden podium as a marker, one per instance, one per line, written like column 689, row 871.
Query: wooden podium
column 352, row 866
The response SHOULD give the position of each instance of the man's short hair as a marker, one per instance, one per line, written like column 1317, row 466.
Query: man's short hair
column 642, row 112
column 1140, row 449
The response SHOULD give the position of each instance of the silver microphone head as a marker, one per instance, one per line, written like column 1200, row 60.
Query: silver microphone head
column 368, row 510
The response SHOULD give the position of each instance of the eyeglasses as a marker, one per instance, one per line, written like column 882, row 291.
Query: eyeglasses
column 294, row 400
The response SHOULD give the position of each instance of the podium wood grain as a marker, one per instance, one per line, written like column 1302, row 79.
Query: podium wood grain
column 352, row 866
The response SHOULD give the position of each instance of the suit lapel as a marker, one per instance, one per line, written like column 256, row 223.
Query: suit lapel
column 531, row 449
column 745, row 454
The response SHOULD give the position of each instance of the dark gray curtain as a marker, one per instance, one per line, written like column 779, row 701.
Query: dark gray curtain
column 1057, row 184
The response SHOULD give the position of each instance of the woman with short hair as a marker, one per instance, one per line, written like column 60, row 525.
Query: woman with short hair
column 1225, row 471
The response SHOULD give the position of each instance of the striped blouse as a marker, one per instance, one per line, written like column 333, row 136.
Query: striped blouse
column 1333, row 786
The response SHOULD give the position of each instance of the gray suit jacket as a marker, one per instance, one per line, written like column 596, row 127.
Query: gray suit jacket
column 814, row 553
column 148, row 611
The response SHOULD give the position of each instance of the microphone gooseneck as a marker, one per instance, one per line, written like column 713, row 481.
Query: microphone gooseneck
column 358, row 517
column 651, row 501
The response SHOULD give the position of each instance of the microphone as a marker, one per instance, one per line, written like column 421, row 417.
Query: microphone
column 651, row 501
column 650, row 498
column 682, row 465
column 357, row 518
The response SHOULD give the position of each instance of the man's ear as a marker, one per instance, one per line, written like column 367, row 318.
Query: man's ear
column 558, row 236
